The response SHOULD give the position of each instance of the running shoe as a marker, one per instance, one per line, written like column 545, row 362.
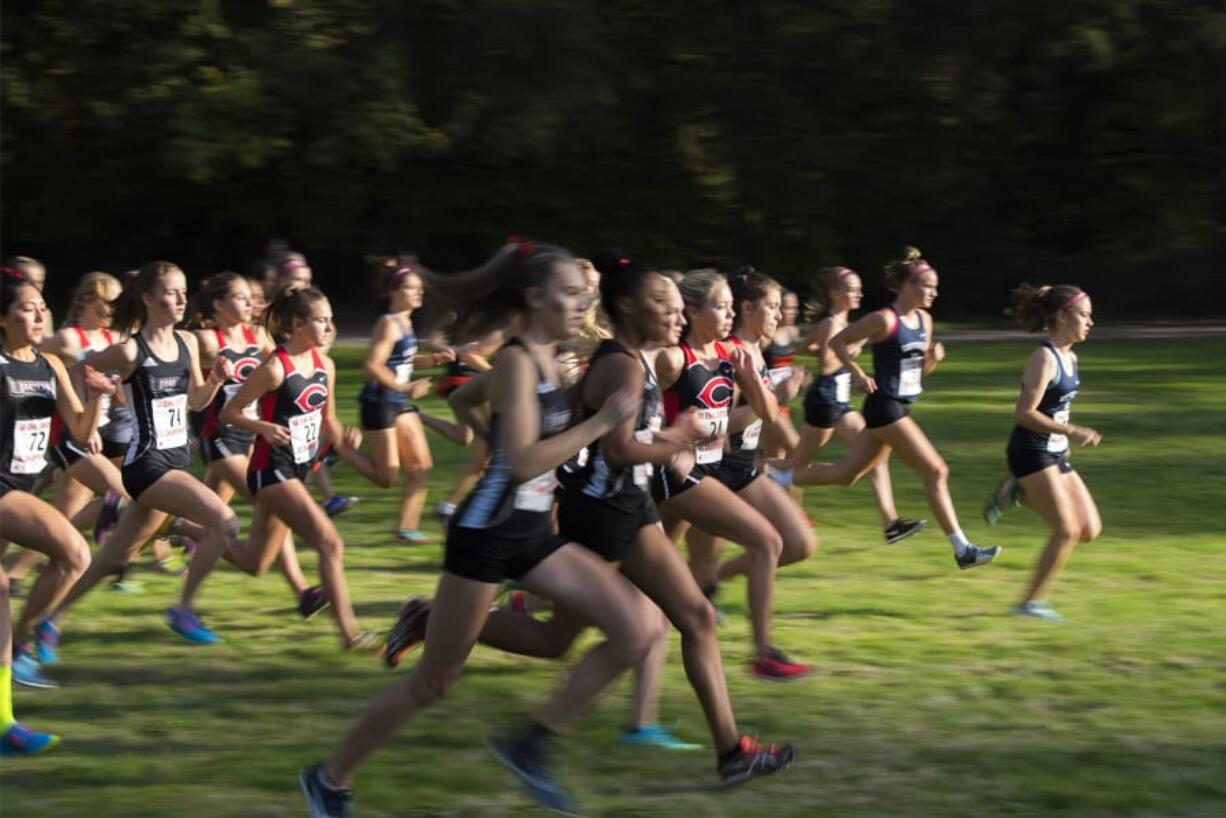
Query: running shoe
column 323, row 801
column 312, row 601
column 409, row 630
column 1038, row 610
column 28, row 673
column 975, row 555
column 188, row 625
column 47, row 642
column 412, row 536
column 1005, row 496
column 186, row 543
column 364, row 642
column 752, row 760
column 107, row 515
column 121, row 585
column 445, row 512
column 528, row 764
column 774, row 666
column 710, row 592
column 171, row 564
column 900, row 529
column 19, row 740
column 653, row 735
column 337, row 505
column 781, row 476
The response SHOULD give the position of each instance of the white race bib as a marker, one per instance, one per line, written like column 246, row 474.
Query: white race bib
column 251, row 410
column 304, row 435
column 30, row 445
column 1058, row 444
column 910, row 375
column 778, row 375
column 711, row 450
column 751, row 434
column 842, row 387
column 537, row 493
column 170, row 422
column 404, row 372
column 104, row 407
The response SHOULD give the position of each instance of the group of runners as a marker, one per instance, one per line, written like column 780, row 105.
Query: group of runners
column 613, row 409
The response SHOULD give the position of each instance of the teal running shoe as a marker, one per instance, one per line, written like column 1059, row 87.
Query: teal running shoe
column 19, row 740
column 653, row 735
column 412, row 536
column 28, row 673
column 188, row 625
column 1038, row 610
column 46, row 642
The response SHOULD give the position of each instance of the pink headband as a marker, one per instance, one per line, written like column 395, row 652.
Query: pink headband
column 1074, row 299
column 289, row 265
column 919, row 269
column 843, row 273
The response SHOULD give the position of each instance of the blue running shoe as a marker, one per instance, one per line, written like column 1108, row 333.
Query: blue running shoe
column 528, row 765
column 653, row 735
column 322, row 800
column 782, row 477
column 28, row 673
column 976, row 555
column 338, row 505
column 188, row 625
column 1038, row 610
column 19, row 740
column 47, row 642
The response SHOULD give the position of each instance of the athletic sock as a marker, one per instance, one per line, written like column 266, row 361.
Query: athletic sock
column 6, row 697
column 959, row 541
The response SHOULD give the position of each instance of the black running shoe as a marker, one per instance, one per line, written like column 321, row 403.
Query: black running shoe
column 312, row 601
column 527, row 763
column 975, row 556
column 323, row 801
column 900, row 529
column 1005, row 496
column 752, row 760
column 409, row 630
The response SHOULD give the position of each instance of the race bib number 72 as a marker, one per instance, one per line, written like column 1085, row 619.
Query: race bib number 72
column 30, row 445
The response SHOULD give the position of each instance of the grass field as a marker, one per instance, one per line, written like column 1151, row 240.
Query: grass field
column 929, row 698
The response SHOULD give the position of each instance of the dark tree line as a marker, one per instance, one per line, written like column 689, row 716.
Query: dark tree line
column 1080, row 140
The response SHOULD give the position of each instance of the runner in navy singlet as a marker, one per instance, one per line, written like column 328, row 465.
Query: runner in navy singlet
column 903, row 352
column 160, row 369
column 827, row 403
column 1038, row 447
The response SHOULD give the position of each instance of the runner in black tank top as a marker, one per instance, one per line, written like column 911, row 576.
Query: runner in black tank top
column 903, row 353
column 710, row 505
column 295, row 392
column 1042, row 435
column 219, row 440
column 33, row 387
column 160, row 370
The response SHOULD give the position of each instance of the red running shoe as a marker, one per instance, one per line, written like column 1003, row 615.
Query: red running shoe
column 409, row 630
column 752, row 760
column 773, row 666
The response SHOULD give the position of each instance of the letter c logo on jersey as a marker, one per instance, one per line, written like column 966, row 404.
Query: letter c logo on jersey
column 243, row 368
column 312, row 397
column 717, row 393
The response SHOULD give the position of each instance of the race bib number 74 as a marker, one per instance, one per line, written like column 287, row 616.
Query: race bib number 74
column 170, row 422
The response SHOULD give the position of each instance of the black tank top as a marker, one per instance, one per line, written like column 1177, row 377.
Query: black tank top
column 157, row 393
column 898, row 361
column 497, row 497
column 27, row 404
column 243, row 361
column 744, row 443
column 1055, row 403
column 595, row 478
column 707, row 391
column 297, row 404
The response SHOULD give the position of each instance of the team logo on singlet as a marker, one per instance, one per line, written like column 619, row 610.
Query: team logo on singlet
column 29, row 389
column 313, row 397
column 717, row 393
column 243, row 367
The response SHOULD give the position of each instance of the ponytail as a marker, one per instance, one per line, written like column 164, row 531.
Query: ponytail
column 900, row 271
column 1036, row 307
column 747, row 284
column 290, row 302
column 130, row 313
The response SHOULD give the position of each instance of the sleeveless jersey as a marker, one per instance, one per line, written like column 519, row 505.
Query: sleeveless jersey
column 1055, row 403
column 400, row 361
column 27, row 404
column 898, row 361
column 744, row 443
column 707, row 391
column 497, row 496
column 157, row 394
column 297, row 404
column 243, row 361
column 779, row 359
column 621, row 487
column 114, row 419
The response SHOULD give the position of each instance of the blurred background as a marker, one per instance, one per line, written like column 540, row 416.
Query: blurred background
column 1061, row 140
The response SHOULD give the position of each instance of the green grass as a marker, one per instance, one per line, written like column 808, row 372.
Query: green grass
column 929, row 699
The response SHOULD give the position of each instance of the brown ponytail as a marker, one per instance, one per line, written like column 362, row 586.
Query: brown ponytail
column 1036, row 307
column 900, row 271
